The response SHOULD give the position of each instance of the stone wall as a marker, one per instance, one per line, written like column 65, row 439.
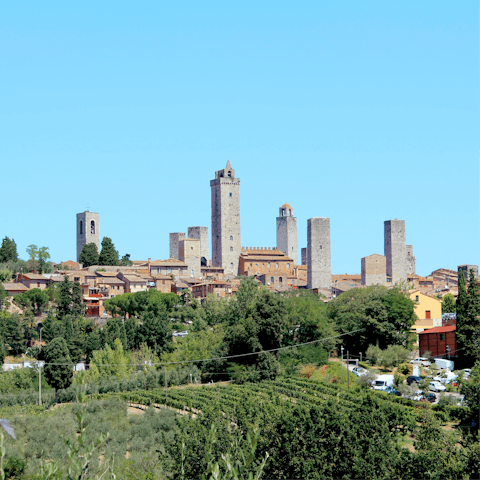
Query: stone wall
column 175, row 239
column 304, row 256
column 189, row 252
column 87, row 232
column 226, row 242
column 287, row 233
column 201, row 233
column 374, row 270
column 395, row 250
column 410, row 259
column 319, row 271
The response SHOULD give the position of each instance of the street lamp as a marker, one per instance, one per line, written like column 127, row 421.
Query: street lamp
column 341, row 349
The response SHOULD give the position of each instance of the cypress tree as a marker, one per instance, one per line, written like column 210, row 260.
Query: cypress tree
column 8, row 250
column 58, row 365
column 64, row 298
column 108, row 254
column 78, row 307
column 88, row 255
column 461, row 303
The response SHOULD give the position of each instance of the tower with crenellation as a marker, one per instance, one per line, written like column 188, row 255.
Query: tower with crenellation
column 287, row 232
column 226, row 244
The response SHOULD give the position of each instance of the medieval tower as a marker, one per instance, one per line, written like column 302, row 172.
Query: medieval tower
column 175, row 239
column 226, row 245
column 319, row 268
column 88, row 230
column 201, row 233
column 287, row 232
column 395, row 250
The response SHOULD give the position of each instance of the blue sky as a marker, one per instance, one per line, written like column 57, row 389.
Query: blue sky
column 357, row 111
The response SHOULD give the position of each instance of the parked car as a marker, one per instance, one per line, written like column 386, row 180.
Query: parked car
column 413, row 379
column 383, row 381
column 422, row 361
column 392, row 391
column 359, row 371
column 446, row 378
column 437, row 387
column 429, row 397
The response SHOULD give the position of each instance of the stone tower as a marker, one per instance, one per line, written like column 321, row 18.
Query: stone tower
column 287, row 232
column 201, row 233
column 226, row 245
column 395, row 250
column 304, row 256
column 189, row 252
column 88, row 230
column 175, row 239
column 319, row 268
column 374, row 270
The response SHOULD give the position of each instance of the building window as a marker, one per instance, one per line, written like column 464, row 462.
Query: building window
column 416, row 298
column 81, row 227
column 268, row 264
column 180, row 270
column 231, row 249
column 92, row 227
column 231, row 237
column 263, row 265
column 277, row 264
column 251, row 264
column 320, row 247
column 280, row 279
column 443, row 336
column 272, row 279
column 230, row 193
column 169, row 270
column 288, row 265
column 256, row 264
column 427, row 314
column 231, row 265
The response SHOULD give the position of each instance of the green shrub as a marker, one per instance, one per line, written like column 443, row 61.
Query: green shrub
column 405, row 368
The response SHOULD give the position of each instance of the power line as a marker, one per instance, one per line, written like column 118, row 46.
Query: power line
column 213, row 358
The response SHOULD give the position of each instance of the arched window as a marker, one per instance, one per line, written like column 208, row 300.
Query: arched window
column 231, row 265
column 229, row 174
column 289, row 213
column 231, row 237
column 81, row 227
column 231, row 249
column 92, row 227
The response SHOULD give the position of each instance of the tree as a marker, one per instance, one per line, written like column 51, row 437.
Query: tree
column 108, row 254
column 448, row 304
column 32, row 251
column 154, row 331
column 43, row 256
column 8, row 250
column 37, row 258
column 64, row 298
column 125, row 261
column 58, row 368
column 78, row 307
column 89, row 255
column 4, row 297
column 13, row 332
column 5, row 275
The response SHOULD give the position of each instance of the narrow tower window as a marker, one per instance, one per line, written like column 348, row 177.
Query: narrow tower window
column 92, row 227
column 230, row 193
column 231, row 249
column 231, row 237
column 81, row 227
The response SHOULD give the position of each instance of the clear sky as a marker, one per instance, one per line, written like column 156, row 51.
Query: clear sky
column 358, row 111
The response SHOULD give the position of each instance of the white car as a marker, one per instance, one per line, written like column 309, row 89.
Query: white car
column 446, row 378
column 359, row 371
column 437, row 387
column 422, row 361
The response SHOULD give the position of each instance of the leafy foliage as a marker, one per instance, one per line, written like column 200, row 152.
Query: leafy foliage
column 89, row 255
column 108, row 254
column 8, row 250
column 58, row 364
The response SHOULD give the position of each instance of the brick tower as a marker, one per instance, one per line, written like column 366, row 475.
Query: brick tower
column 287, row 232
column 88, row 230
column 226, row 245
column 319, row 267
column 395, row 250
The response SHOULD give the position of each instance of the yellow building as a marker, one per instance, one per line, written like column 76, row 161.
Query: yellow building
column 428, row 310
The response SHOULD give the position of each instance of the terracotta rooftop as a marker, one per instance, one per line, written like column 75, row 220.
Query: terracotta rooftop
column 14, row 286
column 110, row 281
column 450, row 328
column 34, row 276
column 170, row 262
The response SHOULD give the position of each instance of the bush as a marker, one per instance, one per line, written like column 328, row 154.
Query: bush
column 405, row 368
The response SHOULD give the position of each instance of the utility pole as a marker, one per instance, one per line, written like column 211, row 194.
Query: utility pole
column 40, row 372
column 165, row 373
column 360, row 356
column 341, row 349
column 348, row 370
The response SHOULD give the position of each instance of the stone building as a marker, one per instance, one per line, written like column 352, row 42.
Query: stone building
column 265, row 260
column 226, row 245
column 395, row 250
column 287, row 232
column 304, row 256
column 319, row 268
column 201, row 234
column 189, row 253
column 169, row 267
column 175, row 239
column 465, row 269
column 88, row 230
column 411, row 269
column 374, row 270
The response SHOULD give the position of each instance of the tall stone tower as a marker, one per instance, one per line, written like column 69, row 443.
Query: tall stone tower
column 88, row 230
column 226, row 245
column 395, row 250
column 175, row 239
column 287, row 232
column 319, row 266
column 201, row 233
